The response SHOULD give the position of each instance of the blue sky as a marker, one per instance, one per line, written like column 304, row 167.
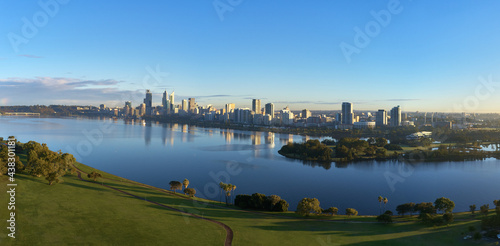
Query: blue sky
column 427, row 56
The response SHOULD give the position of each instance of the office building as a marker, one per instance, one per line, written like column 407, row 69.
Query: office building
column 306, row 114
column 256, row 106
column 381, row 119
column 172, row 103
column 396, row 116
column 270, row 109
column 184, row 105
column 347, row 113
column 191, row 104
column 148, row 101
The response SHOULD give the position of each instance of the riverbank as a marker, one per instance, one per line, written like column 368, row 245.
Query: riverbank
column 88, row 212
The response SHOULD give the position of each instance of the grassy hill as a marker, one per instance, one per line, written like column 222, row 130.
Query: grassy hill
column 90, row 213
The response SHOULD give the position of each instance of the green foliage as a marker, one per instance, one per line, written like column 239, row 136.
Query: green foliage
column 44, row 162
column 331, row 211
column 310, row 150
column 444, row 204
column 386, row 218
column 185, row 183
column 405, row 208
column 307, row 206
column 94, row 175
column 351, row 211
column 190, row 191
column 380, row 142
column 227, row 188
column 425, row 207
column 491, row 222
column 175, row 185
column 485, row 209
column 472, row 208
column 448, row 218
column 477, row 236
column 259, row 201
column 496, row 203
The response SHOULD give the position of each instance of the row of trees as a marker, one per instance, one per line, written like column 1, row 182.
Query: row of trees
column 259, row 201
column 42, row 162
column 176, row 185
column 308, row 206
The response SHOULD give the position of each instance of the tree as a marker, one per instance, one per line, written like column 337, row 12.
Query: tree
column 385, row 201
column 425, row 208
column 190, row 191
column 227, row 188
column 351, row 211
column 94, row 175
column 472, row 208
column 380, row 200
column 496, row 203
column 175, row 185
column 307, row 206
column 444, row 204
column 386, row 218
column 332, row 211
column 185, row 183
column 485, row 209
column 281, row 206
column 448, row 218
column 271, row 201
column 381, row 142
column 405, row 208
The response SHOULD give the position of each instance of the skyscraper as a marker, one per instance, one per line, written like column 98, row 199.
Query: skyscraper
column 230, row 108
column 381, row 119
column 191, row 104
column 396, row 116
column 306, row 113
column 270, row 109
column 172, row 103
column 184, row 106
column 347, row 113
column 149, row 102
column 165, row 103
column 256, row 106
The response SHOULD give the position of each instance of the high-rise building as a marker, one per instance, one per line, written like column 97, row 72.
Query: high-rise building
column 184, row 105
column 191, row 104
column 256, row 106
column 287, row 117
column 347, row 113
column 381, row 119
column 172, row 103
column 128, row 103
column 165, row 102
column 149, row 102
column 306, row 113
column 396, row 116
column 229, row 108
column 270, row 109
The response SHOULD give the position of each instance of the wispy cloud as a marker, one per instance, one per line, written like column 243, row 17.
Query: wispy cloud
column 30, row 56
column 50, row 90
column 402, row 100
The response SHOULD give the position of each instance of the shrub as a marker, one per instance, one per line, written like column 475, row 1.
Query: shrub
column 448, row 218
column 386, row 218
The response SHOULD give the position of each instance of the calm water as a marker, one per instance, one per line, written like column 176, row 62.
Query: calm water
column 158, row 153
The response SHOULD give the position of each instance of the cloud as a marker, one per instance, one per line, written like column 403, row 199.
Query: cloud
column 402, row 100
column 71, row 91
column 30, row 56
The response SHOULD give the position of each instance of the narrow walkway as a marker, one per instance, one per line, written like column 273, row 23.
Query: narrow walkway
column 229, row 231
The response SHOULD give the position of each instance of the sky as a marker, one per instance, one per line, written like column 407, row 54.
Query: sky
column 440, row 56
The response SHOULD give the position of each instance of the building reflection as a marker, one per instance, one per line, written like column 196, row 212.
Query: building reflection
column 147, row 132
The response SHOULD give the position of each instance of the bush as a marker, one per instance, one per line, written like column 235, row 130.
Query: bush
column 448, row 218
column 243, row 201
column 388, row 212
column 492, row 221
column 259, row 201
column 386, row 218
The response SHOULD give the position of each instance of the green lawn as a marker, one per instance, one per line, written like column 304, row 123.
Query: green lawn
column 87, row 213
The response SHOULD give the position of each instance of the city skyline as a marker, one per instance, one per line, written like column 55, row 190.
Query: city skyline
column 376, row 55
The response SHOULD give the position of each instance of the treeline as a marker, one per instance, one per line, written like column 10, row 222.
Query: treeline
column 259, row 201
column 311, row 150
column 449, row 153
column 52, row 110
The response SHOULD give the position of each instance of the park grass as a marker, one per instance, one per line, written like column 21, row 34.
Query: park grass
column 87, row 213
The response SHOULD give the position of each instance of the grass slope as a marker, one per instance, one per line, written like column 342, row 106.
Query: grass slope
column 78, row 212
